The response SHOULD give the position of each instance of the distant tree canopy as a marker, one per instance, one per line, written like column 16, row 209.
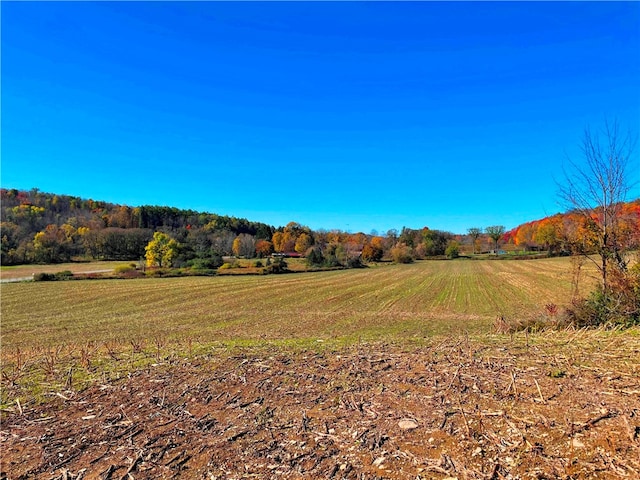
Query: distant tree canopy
column 572, row 232
column 48, row 228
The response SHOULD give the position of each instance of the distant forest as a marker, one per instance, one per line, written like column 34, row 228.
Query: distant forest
column 40, row 227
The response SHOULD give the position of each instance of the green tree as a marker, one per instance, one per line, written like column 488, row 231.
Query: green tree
column 453, row 249
column 495, row 233
column 161, row 250
column 315, row 257
column 435, row 242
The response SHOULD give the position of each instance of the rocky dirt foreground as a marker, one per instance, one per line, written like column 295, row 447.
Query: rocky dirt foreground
column 553, row 406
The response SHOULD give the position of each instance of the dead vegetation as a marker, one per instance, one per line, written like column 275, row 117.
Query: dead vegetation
column 547, row 405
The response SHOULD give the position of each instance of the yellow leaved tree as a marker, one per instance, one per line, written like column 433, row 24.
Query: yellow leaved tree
column 161, row 250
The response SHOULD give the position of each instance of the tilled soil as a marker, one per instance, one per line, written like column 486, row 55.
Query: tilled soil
column 456, row 409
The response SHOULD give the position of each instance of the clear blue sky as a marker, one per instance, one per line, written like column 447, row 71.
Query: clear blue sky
column 356, row 116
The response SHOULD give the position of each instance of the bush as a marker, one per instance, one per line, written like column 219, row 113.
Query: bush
column 278, row 266
column 52, row 277
column 314, row 257
column 401, row 253
column 372, row 253
column 64, row 275
column 206, row 263
column 157, row 272
column 355, row 262
column 44, row 277
column 121, row 269
column 331, row 261
column 618, row 306
column 257, row 264
column 453, row 250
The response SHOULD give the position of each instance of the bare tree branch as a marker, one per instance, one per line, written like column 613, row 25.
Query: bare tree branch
column 596, row 189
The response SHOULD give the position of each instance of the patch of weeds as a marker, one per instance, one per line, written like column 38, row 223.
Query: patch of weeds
column 557, row 373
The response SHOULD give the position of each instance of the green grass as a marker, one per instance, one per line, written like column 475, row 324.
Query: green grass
column 395, row 301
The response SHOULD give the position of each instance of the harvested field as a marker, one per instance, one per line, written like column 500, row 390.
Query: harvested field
column 388, row 372
column 421, row 299
column 559, row 405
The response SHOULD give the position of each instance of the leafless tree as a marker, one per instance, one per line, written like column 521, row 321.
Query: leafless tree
column 474, row 233
column 596, row 188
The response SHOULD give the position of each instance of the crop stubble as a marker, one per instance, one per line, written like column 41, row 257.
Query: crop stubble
column 562, row 404
column 417, row 299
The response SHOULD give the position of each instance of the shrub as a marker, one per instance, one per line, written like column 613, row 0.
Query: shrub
column 257, row 264
column 206, row 263
column 618, row 306
column 51, row 277
column 453, row 250
column 121, row 269
column 402, row 253
column 44, row 277
column 157, row 272
column 314, row 257
column 371, row 253
column 278, row 266
column 355, row 262
column 331, row 261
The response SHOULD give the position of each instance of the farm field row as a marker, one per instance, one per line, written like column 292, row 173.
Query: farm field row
column 401, row 301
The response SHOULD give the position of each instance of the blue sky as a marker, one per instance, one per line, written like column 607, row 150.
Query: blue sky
column 357, row 116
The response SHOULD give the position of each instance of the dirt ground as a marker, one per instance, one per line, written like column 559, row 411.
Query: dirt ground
column 456, row 408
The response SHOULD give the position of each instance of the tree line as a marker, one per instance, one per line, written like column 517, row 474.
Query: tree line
column 40, row 227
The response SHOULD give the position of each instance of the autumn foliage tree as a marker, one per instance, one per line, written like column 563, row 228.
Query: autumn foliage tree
column 402, row 253
column 264, row 248
column 303, row 243
column 54, row 243
column 244, row 245
column 161, row 250
column 372, row 252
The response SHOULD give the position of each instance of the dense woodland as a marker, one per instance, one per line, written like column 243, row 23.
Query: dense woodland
column 42, row 227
